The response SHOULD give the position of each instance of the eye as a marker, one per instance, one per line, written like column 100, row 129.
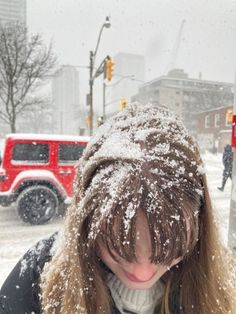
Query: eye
column 117, row 258
column 107, row 243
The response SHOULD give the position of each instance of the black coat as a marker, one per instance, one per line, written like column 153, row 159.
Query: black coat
column 20, row 292
column 228, row 158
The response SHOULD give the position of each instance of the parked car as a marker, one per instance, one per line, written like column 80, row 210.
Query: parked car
column 37, row 173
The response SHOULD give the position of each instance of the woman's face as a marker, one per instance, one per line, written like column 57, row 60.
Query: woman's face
column 141, row 274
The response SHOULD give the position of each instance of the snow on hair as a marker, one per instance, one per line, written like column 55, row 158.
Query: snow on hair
column 142, row 159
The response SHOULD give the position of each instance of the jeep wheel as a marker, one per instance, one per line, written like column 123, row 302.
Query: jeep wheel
column 37, row 205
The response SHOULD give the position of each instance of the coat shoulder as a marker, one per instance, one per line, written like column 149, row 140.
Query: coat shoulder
column 20, row 292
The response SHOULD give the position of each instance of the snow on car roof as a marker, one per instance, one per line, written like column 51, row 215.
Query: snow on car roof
column 48, row 137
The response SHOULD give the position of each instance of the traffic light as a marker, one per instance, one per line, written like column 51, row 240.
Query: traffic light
column 123, row 104
column 229, row 115
column 109, row 68
column 100, row 120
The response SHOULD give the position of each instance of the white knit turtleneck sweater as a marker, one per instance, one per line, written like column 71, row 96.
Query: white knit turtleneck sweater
column 134, row 301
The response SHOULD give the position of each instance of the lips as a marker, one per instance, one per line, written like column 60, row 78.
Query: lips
column 135, row 279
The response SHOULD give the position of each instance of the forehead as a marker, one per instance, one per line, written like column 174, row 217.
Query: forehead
column 141, row 222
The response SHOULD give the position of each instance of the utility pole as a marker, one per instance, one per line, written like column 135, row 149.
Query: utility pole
column 232, row 215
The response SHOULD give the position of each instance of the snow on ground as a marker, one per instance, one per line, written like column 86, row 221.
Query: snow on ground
column 16, row 237
column 221, row 200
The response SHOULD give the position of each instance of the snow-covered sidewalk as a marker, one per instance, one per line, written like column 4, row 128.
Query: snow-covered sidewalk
column 221, row 200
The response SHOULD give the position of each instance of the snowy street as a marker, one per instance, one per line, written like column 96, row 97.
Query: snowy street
column 16, row 237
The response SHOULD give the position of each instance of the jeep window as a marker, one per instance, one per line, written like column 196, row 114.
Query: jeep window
column 70, row 153
column 30, row 153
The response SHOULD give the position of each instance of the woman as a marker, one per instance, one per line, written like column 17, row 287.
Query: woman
column 139, row 237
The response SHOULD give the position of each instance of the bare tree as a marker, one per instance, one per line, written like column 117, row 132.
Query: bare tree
column 24, row 63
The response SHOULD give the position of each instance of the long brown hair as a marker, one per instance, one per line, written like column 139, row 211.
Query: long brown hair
column 142, row 159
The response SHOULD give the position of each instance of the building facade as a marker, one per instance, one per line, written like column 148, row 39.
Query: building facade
column 186, row 96
column 214, row 128
column 67, row 114
column 129, row 74
column 13, row 11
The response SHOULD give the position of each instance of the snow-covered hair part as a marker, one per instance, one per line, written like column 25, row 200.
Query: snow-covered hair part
column 143, row 159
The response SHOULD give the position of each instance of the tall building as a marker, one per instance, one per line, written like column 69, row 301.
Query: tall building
column 129, row 72
column 13, row 11
column 67, row 114
column 186, row 96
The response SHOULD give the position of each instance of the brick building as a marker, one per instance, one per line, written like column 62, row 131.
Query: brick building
column 214, row 128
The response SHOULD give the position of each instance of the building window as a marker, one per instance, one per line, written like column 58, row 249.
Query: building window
column 217, row 120
column 207, row 122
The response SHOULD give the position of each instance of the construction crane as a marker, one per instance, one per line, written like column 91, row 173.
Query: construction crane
column 175, row 49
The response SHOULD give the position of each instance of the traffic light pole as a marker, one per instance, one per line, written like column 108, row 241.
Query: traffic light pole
column 106, row 70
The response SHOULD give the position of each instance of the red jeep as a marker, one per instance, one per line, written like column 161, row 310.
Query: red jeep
column 37, row 172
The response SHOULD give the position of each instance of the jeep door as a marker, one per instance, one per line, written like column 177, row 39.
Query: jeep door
column 27, row 156
column 68, row 156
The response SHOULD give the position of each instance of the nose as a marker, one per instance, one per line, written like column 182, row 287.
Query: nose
column 142, row 271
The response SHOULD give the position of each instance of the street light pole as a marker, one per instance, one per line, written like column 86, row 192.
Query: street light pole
column 92, row 57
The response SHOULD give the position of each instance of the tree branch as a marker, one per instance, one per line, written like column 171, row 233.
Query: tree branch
column 24, row 62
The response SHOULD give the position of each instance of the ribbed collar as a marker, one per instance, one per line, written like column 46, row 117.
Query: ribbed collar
column 134, row 301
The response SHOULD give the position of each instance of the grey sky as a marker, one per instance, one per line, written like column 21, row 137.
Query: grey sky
column 148, row 27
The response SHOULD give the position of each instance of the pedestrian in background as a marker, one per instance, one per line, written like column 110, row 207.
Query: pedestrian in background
column 227, row 160
column 140, row 236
